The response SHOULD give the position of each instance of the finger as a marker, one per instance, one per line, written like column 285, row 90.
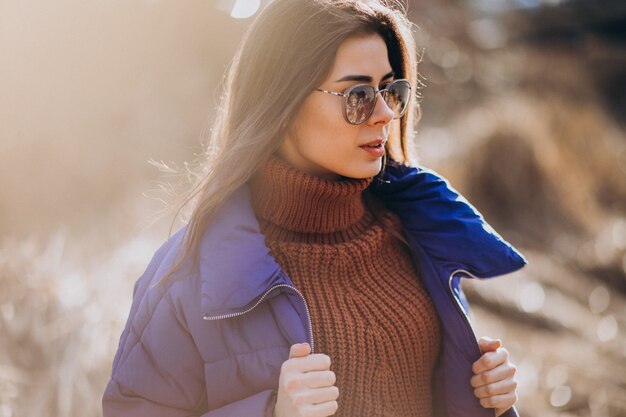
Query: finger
column 311, row 362
column 499, row 401
column 313, row 379
column 324, row 409
column 317, row 395
column 490, row 360
column 504, row 386
column 318, row 379
column 299, row 349
column 487, row 343
column 494, row 375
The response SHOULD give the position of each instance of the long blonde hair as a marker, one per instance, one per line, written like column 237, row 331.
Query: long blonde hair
column 285, row 54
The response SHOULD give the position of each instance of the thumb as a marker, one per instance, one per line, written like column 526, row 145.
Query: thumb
column 299, row 349
column 487, row 344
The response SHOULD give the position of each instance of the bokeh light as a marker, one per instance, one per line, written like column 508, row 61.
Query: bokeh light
column 532, row 297
column 244, row 9
column 607, row 328
column 599, row 299
column 560, row 396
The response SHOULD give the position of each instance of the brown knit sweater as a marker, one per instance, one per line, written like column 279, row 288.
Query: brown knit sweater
column 369, row 310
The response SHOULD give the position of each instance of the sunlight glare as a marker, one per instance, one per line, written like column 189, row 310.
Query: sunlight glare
column 245, row 8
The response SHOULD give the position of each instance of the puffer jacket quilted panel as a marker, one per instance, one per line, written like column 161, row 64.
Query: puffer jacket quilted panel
column 212, row 343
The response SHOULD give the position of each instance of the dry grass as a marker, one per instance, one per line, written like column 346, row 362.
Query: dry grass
column 61, row 313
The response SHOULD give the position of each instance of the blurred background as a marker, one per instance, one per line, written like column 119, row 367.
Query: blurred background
column 524, row 111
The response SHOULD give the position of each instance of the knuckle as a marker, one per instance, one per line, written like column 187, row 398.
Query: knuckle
column 291, row 384
column 301, row 400
column 506, row 354
column 332, row 377
column 484, row 378
column 326, row 361
column 485, row 402
column 489, row 361
column 489, row 389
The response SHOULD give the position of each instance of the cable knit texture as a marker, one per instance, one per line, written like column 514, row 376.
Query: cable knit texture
column 369, row 309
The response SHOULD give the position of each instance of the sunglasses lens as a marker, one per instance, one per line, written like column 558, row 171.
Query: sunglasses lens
column 397, row 97
column 360, row 102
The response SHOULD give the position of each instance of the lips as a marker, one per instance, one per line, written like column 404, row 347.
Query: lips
column 374, row 148
column 374, row 143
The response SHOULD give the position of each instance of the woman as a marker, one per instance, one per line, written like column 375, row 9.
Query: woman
column 319, row 272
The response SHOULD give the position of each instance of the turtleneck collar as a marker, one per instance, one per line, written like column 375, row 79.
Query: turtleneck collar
column 289, row 201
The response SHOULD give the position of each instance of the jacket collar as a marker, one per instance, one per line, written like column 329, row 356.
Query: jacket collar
column 236, row 266
column 445, row 224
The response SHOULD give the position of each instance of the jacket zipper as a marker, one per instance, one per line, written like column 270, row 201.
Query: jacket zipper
column 260, row 300
column 462, row 310
column 458, row 303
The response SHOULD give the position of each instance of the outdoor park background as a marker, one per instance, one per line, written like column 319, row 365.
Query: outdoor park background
column 524, row 111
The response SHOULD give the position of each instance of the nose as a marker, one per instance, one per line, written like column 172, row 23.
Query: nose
column 382, row 113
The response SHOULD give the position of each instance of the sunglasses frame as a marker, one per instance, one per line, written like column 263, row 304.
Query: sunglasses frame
column 376, row 91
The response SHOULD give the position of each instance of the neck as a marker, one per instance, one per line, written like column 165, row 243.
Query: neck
column 291, row 203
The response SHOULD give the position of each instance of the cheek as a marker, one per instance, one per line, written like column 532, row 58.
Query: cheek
column 322, row 125
column 323, row 112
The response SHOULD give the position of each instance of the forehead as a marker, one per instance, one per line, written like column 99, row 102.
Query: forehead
column 361, row 55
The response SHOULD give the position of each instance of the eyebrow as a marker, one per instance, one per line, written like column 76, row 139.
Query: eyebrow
column 363, row 78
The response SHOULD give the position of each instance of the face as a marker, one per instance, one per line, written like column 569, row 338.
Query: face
column 321, row 141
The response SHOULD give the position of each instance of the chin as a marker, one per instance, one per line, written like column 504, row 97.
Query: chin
column 366, row 171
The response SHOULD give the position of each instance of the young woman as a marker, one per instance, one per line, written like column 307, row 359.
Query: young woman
column 319, row 272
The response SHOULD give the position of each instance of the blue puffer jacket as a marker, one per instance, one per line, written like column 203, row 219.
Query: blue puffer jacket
column 211, row 343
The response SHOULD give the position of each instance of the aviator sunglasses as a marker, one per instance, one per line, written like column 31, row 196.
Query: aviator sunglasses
column 359, row 100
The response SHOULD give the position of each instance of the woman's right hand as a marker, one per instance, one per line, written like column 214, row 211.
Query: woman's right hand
column 306, row 385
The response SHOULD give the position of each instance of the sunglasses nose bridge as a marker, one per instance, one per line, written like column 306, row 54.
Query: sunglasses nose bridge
column 354, row 100
column 383, row 95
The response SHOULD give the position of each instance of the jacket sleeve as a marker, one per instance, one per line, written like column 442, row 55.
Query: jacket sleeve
column 159, row 372
column 261, row 404
column 115, row 403
column 511, row 412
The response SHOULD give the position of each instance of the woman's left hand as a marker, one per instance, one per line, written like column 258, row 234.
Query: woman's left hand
column 493, row 381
